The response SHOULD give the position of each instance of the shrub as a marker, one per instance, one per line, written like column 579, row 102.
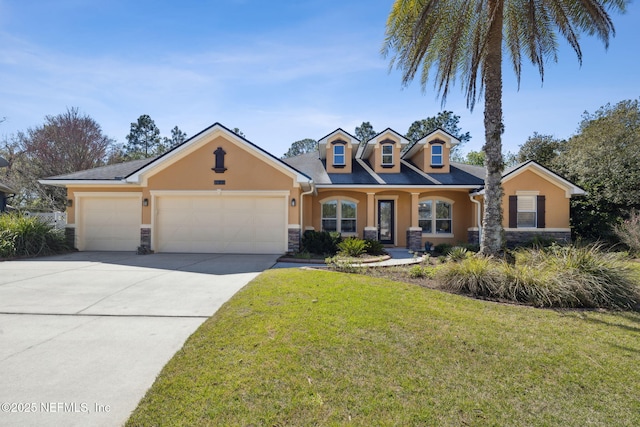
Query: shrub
column 374, row 247
column 418, row 271
column 629, row 232
column 28, row 236
column 320, row 242
column 442, row 248
column 352, row 247
column 458, row 253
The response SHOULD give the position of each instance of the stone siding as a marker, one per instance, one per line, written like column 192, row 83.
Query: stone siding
column 294, row 235
column 520, row 238
column 414, row 240
column 370, row 234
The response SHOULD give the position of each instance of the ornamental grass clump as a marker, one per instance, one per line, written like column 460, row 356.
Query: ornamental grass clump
column 558, row 276
column 28, row 236
column 477, row 276
column 590, row 276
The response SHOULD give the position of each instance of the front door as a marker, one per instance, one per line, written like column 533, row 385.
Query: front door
column 386, row 222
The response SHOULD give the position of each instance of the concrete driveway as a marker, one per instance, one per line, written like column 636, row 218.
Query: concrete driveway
column 84, row 335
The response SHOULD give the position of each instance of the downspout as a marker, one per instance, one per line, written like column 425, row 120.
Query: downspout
column 478, row 215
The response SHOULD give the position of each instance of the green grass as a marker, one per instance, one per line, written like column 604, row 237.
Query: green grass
column 302, row 348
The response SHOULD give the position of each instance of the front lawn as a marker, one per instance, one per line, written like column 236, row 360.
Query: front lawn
column 299, row 347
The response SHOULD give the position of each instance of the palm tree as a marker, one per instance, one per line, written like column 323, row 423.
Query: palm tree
column 450, row 38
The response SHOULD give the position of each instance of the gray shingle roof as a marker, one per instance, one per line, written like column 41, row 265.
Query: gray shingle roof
column 110, row 172
column 311, row 165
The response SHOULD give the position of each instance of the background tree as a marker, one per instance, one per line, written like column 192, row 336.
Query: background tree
column 238, row 132
column 302, row 146
column 143, row 139
column 540, row 148
column 65, row 143
column 365, row 132
column 475, row 158
column 604, row 159
column 177, row 138
column 445, row 120
column 447, row 39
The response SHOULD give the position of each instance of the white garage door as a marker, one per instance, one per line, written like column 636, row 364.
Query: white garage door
column 221, row 224
column 109, row 223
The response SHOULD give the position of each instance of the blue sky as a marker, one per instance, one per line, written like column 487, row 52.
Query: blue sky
column 278, row 70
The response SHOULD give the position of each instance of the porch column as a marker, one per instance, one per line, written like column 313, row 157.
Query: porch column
column 414, row 233
column 415, row 215
column 370, row 230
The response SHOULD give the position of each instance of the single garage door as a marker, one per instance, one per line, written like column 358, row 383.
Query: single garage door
column 221, row 224
column 109, row 223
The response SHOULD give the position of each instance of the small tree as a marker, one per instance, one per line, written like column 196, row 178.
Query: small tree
column 302, row 146
column 365, row 132
column 65, row 143
column 628, row 231
column 144, row 139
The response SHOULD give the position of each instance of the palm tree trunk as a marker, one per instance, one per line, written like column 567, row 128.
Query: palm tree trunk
column 492, row 233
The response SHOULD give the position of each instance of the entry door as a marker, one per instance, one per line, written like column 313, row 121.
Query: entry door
column 386, row 221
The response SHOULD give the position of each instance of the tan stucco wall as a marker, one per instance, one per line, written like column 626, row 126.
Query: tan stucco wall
column 556, row 200
column 463, row 210
column 422, row 158
column 348, row 152
column 375, row 159
column 193, row 172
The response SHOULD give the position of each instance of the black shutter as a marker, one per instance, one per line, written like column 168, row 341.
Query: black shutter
column 513, row 211
column 541, row 212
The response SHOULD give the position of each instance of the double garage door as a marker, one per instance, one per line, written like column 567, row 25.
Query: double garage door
column 187, row 223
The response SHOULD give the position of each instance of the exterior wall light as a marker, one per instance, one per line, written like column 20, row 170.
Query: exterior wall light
column 293, row 202
column 69, row 203
column 145, row 202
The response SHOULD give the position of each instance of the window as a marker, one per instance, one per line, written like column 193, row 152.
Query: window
column 338, row 155
column 436, row 155
column 387, row 155
column 438, row 221
column 527, row 212
column 425, row 217
column 330, row 216
column 339, row 215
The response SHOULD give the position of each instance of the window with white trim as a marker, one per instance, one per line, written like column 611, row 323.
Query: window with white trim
column 338, row 155
column 339, row 215
column 527, row 212
column 438, row 220
column 387, row 155
column 436, row 155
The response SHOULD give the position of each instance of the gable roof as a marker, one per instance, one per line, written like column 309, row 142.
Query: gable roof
column 322, row 142
column 136, row 171
column 364, row 149
column 546, row 173
column 422, row 141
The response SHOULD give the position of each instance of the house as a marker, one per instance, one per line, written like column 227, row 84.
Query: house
column 218, row 192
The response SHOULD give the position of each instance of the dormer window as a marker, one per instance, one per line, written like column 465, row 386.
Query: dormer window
column 387, row 155
column 338, row 155
column 436, row 155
